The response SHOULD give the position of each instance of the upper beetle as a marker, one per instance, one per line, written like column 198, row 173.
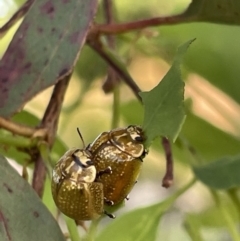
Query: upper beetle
column 117, row 156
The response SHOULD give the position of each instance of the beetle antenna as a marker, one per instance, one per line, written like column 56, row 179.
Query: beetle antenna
column 79, row 133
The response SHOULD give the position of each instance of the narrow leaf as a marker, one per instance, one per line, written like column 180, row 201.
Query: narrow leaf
column 220, row 174
column 164, row 108
column 43, row 50
column 22, row 214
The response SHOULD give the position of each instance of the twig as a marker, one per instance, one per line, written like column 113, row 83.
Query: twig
column 110, row 29
column 18, row 129
column 124, row 75
column 168, row 177
column 50, row 122
column 112, row 81
column 112, row 78
column 16, row 16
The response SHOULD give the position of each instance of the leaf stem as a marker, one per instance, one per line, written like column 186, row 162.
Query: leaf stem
column 168, row 178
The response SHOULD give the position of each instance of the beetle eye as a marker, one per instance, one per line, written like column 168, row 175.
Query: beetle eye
column 139, row 138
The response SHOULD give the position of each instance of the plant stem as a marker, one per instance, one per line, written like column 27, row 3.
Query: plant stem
column 50, row 122
column 19, row 129
column 168, row 177
column 117, row 65
column 232, row 193
column 92, row 230
column 121, row 28
column 227, row 217
column 116, row 105
column 72, row 229
column 16, row 141
column 16, row 16
column 193, row 230
column 120, row 68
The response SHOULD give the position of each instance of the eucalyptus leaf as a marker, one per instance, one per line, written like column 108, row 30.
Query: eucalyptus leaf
column 23, row 216
column 44, row 50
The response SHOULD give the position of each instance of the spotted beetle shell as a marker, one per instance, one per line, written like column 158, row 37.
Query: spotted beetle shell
column 73, row 188
column 122, row 150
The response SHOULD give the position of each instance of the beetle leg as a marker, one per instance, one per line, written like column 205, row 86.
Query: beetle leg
column 108, row 202
column 109, row 214
column 108, row 170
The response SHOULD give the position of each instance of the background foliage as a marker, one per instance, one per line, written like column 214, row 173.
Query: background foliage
column 207, row 148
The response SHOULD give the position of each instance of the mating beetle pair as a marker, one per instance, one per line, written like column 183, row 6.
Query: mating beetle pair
column 103, row 173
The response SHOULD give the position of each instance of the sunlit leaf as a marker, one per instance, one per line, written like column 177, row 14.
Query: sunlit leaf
column 22, row 214
column 164, row 108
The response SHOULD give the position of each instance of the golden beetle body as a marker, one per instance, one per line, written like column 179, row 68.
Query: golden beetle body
column 73, row 188
column 122, row 150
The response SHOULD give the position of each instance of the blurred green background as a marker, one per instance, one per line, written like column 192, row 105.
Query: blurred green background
column 211, row 72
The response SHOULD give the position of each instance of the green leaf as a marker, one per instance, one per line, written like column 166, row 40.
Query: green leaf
column 212, row 143
column 22, row 214
column 209, row 218
column 141, row 224
column 43, row 50
column 220, row 174
column 9, row 144
column 164, row 108
column 216, row 11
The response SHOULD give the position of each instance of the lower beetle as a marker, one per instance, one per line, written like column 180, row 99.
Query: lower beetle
column 122, row 150
column 74, row 189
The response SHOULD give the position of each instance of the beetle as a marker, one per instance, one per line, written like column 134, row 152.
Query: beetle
column 74, row 189
column 118, row 156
